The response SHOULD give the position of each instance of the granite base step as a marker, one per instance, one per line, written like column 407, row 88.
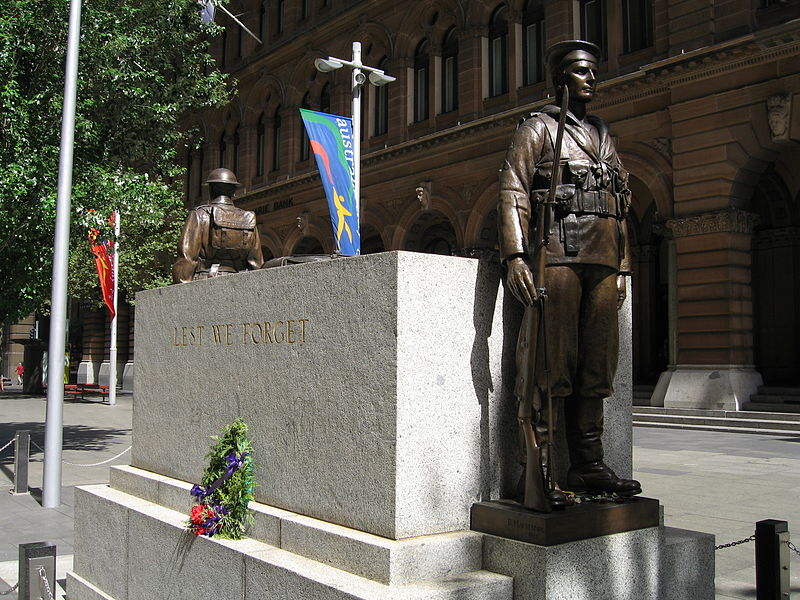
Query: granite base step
column 128, row 548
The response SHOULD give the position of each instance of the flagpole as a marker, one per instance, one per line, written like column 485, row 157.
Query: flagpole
column 112, row 354
column 54, row 420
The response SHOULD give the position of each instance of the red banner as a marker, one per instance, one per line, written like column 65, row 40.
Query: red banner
column 105, row 272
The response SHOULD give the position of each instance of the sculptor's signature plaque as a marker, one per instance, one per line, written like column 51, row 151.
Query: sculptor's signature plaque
column 290, row 331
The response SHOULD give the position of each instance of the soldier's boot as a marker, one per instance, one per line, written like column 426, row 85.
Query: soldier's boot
column 588, row 472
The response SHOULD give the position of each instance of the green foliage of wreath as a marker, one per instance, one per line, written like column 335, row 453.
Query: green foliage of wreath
column 234, row 493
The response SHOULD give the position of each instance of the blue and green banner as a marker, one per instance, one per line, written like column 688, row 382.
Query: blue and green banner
column 331, row 139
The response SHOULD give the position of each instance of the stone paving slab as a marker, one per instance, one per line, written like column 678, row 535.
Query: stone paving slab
column 720, row 483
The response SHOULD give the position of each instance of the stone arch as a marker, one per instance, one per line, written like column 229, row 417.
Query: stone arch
column 304, row 78
column 479, row 13
column 377, row 40
column 419, row 23
column 410, row 215
column 481, row 210
column 433, row 232
column 262, row 96
column 314, row 230
column 650, row 171
column 270, row 240
column 377, row 217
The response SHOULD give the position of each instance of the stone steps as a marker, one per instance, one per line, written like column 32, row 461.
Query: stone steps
column 718, row 420
column 155, row 538
column 775, row 399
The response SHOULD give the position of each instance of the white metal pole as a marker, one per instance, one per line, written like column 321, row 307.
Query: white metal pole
column 54, row 424
column 112, row 353
column 356, row 75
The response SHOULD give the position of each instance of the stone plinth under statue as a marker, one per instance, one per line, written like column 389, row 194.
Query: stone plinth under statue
column 377, row 390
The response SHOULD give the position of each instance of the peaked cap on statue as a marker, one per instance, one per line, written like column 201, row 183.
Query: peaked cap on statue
column 560, row 55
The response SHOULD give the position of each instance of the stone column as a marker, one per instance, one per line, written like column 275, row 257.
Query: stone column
column 127, row 371
column 93, row 345
column 714, row 363
column 470, row 74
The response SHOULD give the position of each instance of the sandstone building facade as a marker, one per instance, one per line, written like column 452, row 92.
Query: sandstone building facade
column 702, row 96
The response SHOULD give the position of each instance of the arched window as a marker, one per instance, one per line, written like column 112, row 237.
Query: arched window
column 450, row 71
column 498, row 53
column 235, row 157
column 325, row 98
column 304, row 142
column 260, row 143
column 421, row 68
column 381, row 111
column 276, row 139
column 532, row 43
column 223, row 150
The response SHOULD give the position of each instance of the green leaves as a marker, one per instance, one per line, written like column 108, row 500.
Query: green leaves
column 142, row 65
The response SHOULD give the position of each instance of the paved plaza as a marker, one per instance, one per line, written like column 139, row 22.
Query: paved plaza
column 720, row 483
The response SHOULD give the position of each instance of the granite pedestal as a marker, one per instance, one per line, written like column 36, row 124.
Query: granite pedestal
column 378, row 393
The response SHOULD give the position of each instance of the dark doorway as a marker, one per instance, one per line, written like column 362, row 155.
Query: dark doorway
column 776, row 282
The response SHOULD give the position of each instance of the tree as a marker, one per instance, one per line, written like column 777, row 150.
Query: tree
column 143, row 64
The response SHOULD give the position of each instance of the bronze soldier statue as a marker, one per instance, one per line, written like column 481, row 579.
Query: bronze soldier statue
column 218, row 238
column 564, row 243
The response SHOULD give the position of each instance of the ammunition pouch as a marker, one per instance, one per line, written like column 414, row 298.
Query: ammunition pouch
column 572, row 202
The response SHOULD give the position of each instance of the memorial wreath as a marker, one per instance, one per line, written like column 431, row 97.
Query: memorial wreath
column 226, row 488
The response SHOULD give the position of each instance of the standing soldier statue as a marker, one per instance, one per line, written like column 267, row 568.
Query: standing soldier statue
column 218, row 238
column 563, row 241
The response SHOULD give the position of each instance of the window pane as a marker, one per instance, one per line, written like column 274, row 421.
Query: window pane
column 449, row 91
column 533, row 53
column 421, row 94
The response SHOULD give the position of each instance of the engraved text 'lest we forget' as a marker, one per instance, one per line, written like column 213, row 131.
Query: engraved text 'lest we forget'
column 290, row 331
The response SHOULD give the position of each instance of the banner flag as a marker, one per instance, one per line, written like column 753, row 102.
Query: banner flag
column 105, row 272
column 331, row 139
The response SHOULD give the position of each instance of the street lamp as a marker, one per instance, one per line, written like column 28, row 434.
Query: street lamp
column 377, row 78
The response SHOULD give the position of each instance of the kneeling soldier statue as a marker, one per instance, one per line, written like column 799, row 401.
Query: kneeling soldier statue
column 563, row 239
column 218, row 238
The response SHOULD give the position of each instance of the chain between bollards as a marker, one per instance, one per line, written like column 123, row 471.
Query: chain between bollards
column 736, row 543
column 793, row 548
column 10, row 590
column 44, row 584
column 11, row 441
column 97, row 464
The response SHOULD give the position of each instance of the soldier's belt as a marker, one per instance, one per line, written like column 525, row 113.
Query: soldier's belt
column 572, row 201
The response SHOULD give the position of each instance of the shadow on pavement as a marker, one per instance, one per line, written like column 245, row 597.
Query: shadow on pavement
column 76, row 437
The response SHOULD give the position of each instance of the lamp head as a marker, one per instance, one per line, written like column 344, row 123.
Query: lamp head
column 326, row 65
column 380, row 78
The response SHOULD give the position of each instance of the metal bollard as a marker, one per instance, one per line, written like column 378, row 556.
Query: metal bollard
column 22, row 454
column 37, row 571
column 772, row 560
